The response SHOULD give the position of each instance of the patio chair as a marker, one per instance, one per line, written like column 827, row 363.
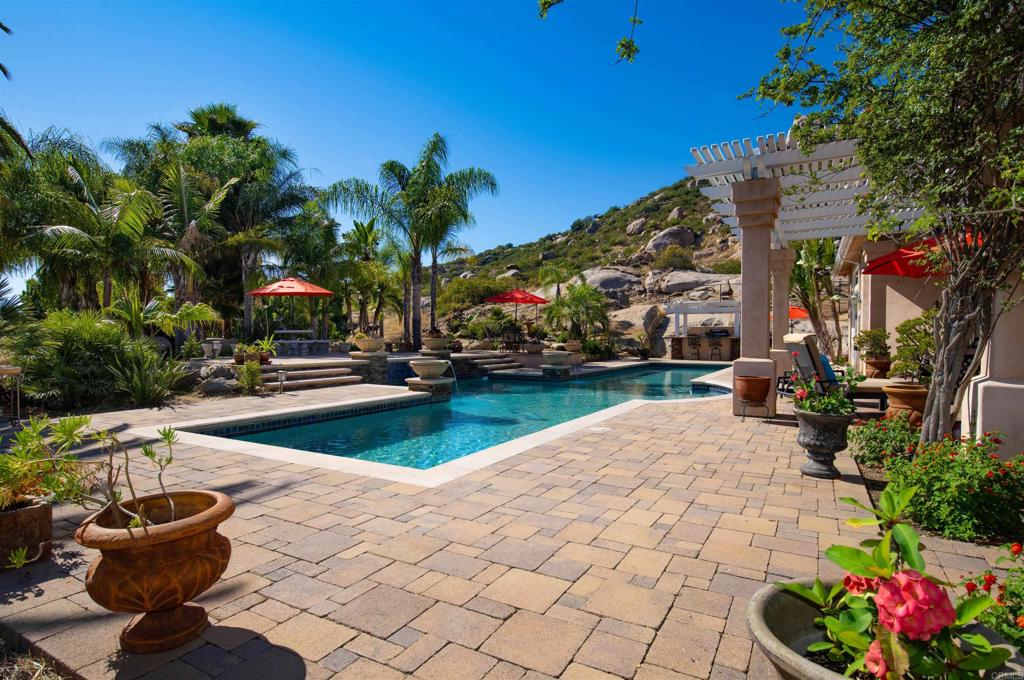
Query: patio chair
column 814, row 366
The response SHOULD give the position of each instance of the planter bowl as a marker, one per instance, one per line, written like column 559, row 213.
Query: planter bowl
column 369, row 344
column 556, row 357
column 822, row 436
column 154, row 572
column 428, row 368
column 573, row 346
column 534, row 347
column 31, row 527
column 435, row 343
column 908, row 398
column 264, row 358
column 878, row 368
column 341, row 346
column 752, row 389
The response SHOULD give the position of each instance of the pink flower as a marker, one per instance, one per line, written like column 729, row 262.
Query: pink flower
column 874, row 660
column 801, row 393
column 909, row 603
column 857, row 585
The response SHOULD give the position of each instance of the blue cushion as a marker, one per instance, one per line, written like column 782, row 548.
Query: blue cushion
column 830, row 374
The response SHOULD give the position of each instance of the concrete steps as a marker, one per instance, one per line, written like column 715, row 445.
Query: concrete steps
column 311, row 383
column 307, row 375
column 495, row 364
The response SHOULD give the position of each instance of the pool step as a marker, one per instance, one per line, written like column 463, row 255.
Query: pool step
column 494, row 368
column 492, row 360
column 303, row 373
column 309, row 383
column 307, row 375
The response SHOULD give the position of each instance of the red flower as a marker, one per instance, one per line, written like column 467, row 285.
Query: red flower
column 970, row 586
column 989, row 474
column 1020, row 621
column 874, row 660
column 997, row 440
column 911, row 604
column 801, row 393
column 1016, row 549
column 796, row 354
column 858, row 585
column 990, row 579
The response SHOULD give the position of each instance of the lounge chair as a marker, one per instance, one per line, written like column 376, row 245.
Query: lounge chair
column 814, row 366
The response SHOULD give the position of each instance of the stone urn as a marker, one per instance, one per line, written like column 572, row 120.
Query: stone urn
column 555, row 357
column 823, row 436
column 435, row 343
column 534, row 347
column 369, row 344
column 29, row 526
column 573, row 346
column 428, row 368
column 782, row 625
column 154, row 571
column 909, row 398
column 877, row 367
column 341, row 346
column 211, row 350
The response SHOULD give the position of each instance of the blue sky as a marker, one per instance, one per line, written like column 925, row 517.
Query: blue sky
column 350, row 83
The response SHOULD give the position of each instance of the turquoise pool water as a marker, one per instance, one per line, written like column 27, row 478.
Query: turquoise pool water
column 483, row 414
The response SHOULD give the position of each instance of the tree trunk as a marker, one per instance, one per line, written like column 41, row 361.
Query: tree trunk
column 433, row 289
column 378, row 316
column 364, row 312
column 246, row 301
column 108, row 289
column 406, row 305
column 416, row 272
column 325, row 320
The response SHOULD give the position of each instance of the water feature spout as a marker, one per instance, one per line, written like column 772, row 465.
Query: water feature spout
column 454, row 377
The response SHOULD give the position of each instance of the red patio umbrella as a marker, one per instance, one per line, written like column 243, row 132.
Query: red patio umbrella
column 517, row 296
column 293, row 288
column 796, row 313
column 908, row 261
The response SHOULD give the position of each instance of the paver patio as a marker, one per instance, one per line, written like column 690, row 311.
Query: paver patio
column 626, row 550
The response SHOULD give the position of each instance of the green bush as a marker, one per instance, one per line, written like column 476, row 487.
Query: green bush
column 493, row 323
column 192, row 348
column 461, row 294
column 595, row 350
column 726, row 267
column 250, row 377
column 143, row 378
column 70, row 359
column 915, row 351
column 674, row 257
column 1007, row 619
column 872, row 343
column 965, row 491
column 877, row 440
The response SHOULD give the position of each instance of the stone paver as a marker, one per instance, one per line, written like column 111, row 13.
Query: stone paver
column 625, row 551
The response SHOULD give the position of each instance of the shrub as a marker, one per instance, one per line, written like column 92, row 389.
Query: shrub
column 595, row 350
column 461, row 294
column 726, row 267
column 1007, row 619
column 876, row 440
column 143, row 377
column 873, row 343
column 966, row 491
column 674, row 257
column 250, row 377
column 192, row 348
column 915, row 352
column 493, row 323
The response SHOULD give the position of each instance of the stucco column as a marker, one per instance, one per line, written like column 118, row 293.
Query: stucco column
column 757, row 204
column 782, row 261
column 996, row 394
column 873, row 298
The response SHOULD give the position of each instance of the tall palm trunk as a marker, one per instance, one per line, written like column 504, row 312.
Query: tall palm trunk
column 364, row 312
column 406, row 307
column 108, row 288
column 416, row 273
column 246, row 299
column 433, row 289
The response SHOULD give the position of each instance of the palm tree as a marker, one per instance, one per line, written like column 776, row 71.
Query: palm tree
column 11, row 141
column 555, row 273
column 137, row 316
column 583, row 308
column 217, row 119
column 363, row 244
column 411, row 203
column 312, row 251
column 811, row 283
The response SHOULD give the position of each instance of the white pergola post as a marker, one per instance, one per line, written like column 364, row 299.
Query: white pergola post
column 782, row 261
column 757, row 205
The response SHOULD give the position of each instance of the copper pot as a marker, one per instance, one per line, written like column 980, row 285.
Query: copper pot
column 909, row 398
column 156, row 570
column 752, row 389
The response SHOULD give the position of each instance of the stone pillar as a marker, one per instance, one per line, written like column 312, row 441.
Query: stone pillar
column 439, row 389
column 757, row 204
column 782, row 261
column 375, row 371
column 996, row 394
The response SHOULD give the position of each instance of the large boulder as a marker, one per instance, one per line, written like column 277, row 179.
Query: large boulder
column 612, row 282
column 215, row 387
column 636, row 226
column 676, row 282
column 594, row 226
column 712, row 218
column 676, row 214
column 216, row 371
column 466, row 275
column 646, row 319
column 673, row 236
column 547, row 255
column 510, row 274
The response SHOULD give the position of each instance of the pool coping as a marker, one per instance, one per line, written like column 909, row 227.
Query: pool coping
column 428, row 478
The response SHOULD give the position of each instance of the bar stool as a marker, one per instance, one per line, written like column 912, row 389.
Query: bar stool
column 715, row 349
column 693, row 342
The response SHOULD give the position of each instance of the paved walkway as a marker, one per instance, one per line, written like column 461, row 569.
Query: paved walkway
column 626, row 550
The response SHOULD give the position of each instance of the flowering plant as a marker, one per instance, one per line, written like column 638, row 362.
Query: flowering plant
column 816, row 397
column 1007, row 618
column 877, row 440
column 888, row 617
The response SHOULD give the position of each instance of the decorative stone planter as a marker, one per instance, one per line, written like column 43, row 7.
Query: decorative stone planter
column 428, row 368
column 534, row 347
column 369, row 344
column 909, row 398
column 822, row 436
column 341, row 346
column 30, row 527
column 264, row 358
column 878, row 368
column 435, row 343
column 573, row 346
column 782, row 625
column 156, row 570
column 211, row 350
column 554, row 357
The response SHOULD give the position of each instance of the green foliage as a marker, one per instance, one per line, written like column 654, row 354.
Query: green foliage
column 878, row 440
column 595, row 350
column 191, row 348
column 33, row 466
column 144, row 378
column 726, row 267
column 966, row 491
column 818, row 398
column 872, row 343
column 266, row 345
column 1007, row 619
column 461, row 294
column 250, row 377
column 915, row 349
column 582, row 308
column 674, row 257
column 492, row 324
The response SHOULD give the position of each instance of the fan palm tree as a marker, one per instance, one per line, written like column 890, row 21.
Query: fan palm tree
column 217, row 119
column 411, row 202
column 555, row 274
column 583, row 308
column 11, row 141
column 312, row 251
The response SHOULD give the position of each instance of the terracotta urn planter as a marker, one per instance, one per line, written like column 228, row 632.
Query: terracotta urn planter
column 822, row 436
column 782, row 625
column 428, row 368
column 573, row 346
column 264, row 358
column 154, row 572
column 752, row 389
column 369, row 344
column 435, row 343
column 555, row 357
column 877, row 368
column 29, row 526
column 534, row 347
column 910, row 398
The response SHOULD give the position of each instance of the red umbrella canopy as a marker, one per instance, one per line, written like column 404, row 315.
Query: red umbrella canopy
column 518, row 296
column 291, row 287
column 797, row 313
column 908, row 261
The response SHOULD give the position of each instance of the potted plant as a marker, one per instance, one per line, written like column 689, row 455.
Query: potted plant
column 367, row 344
column 435, row 340
column 34, row 473
column 824, row 414
column 266, row 349
column 428, row 368
column 915, row 356
column 888, row 618
column 341, row 344
column 873, row 344
column 240, row 352
column 157, row 552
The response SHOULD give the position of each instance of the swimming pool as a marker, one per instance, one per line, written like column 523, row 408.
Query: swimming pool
column 484, row 413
